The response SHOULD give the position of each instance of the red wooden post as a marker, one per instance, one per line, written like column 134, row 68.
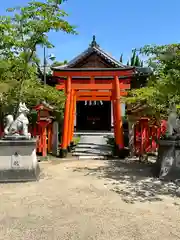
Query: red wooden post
column 145, row 143
column 64, row 144
column 92, row 80
column 74, row 115
column 49, row 137
column 70, row 118
column 119, row 129
column 137, row 140
column 44, row 142
column 154, row 135
column 146, row 135
column 142, row 137
column 114, row 119
column 40, row 140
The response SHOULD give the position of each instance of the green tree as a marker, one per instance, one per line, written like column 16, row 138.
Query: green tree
column 28, row 28
column 59, row 1
column 135, row 60
column 57, row 63
column 20, row 35
column 121, row 58
column 163, row 88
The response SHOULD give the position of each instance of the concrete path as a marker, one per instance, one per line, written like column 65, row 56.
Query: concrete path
column 72, row 201
column 93, row 146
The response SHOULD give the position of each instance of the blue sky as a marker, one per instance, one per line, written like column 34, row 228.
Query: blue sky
column 119, row 25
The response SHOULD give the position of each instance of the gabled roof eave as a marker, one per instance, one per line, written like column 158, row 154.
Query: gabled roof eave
column 86, row 53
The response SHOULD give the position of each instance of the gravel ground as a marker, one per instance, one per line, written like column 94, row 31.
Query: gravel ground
column 90, row 200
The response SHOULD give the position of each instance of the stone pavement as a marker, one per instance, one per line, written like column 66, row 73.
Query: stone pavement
column 69, row 204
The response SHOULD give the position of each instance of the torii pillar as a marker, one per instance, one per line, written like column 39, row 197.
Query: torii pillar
column 65, row 135
column 76, row 90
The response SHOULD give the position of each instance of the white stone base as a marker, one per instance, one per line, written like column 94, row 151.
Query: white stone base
column 18, row 161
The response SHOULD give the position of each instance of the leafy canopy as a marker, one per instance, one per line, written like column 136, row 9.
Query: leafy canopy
column 134, row 59
column 163, row 88
column 20, row 34
column 28, row 28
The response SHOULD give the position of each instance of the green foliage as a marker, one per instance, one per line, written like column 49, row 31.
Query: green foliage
column 20, row 35
column 121, row 58
column 28, row 28
column 163, row 88
column 56, row 63
column 33, row 92
column 58, row 1
column 76, row 140
column 135, row 60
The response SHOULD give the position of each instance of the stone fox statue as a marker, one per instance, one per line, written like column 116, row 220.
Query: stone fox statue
column 19, row 126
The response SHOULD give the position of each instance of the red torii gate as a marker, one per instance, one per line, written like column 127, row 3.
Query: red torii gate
column 114, row 84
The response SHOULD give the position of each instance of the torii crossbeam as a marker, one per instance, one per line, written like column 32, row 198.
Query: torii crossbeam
column 92, row 90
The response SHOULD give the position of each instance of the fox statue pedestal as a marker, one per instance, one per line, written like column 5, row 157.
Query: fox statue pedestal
column 18, row 161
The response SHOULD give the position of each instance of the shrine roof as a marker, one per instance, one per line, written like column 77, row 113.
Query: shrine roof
column 93, row 48
column 144, row 70
column 138, row 71
column 92, row 69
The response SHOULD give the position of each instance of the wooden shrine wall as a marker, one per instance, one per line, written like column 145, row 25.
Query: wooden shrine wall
column 93, row 61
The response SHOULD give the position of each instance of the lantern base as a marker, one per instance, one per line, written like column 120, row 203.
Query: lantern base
column 69, row 148
column 72, row 144
column 63, row 153
column 120, row 152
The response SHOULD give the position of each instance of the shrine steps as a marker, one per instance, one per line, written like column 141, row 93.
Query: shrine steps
column 92, row 146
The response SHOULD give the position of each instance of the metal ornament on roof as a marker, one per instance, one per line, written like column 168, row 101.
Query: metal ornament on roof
column 94, row 43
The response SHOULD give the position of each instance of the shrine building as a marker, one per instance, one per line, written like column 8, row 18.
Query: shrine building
column 94, row 84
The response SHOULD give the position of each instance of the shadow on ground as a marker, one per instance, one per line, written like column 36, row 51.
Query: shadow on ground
column 133, row 180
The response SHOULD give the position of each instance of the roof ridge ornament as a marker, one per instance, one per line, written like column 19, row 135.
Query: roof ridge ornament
column 94, row 43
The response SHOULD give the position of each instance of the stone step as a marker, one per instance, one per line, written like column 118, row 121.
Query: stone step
column 92, row 147
column 92, row 157
column 91, row 154
column 92, row 133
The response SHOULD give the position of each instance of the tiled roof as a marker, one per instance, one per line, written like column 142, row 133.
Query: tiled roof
column 93, row 48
